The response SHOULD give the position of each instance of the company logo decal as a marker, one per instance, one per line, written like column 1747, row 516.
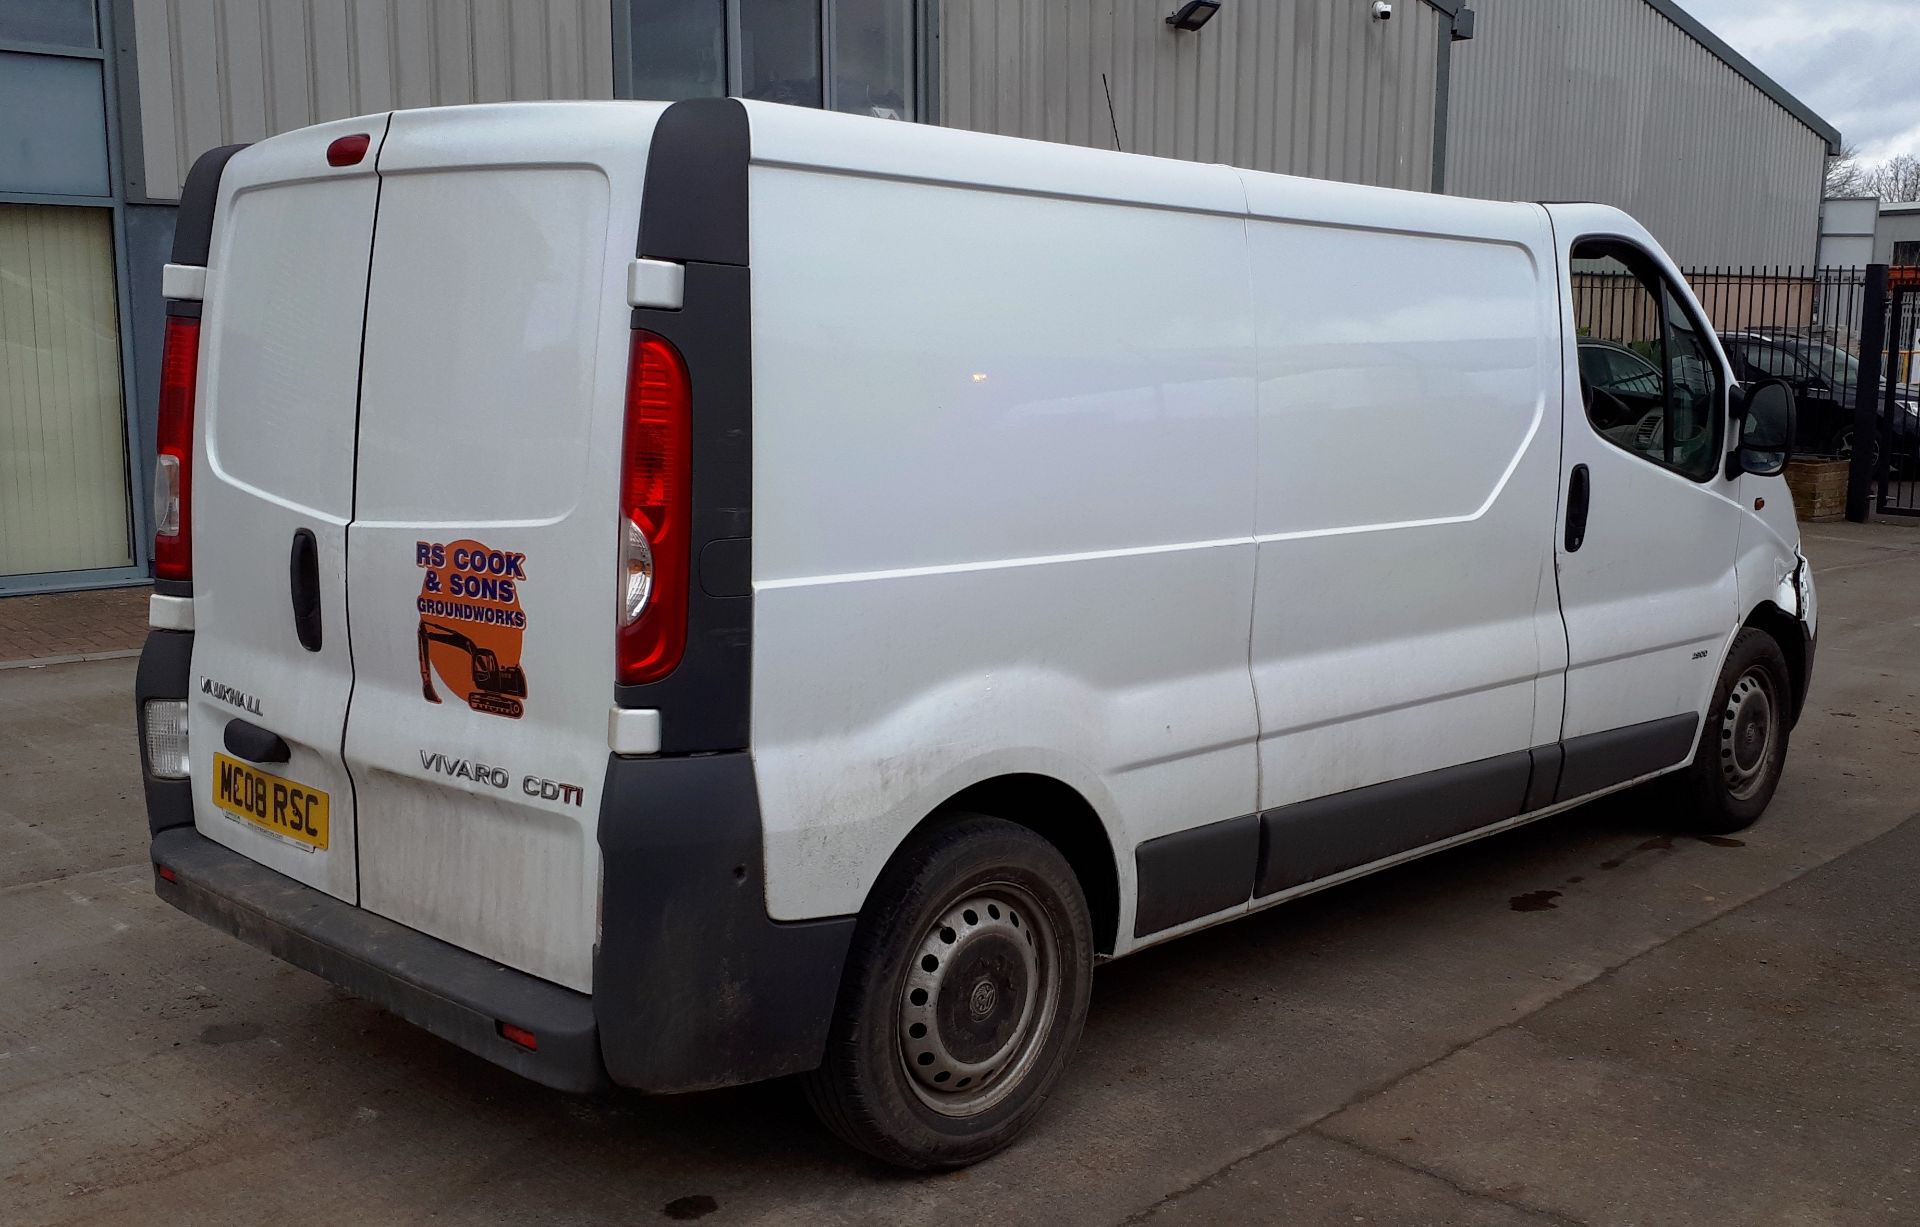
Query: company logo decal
column 471, row 624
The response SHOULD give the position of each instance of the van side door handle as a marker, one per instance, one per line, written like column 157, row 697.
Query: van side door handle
column 303, row 575
column 1578, row 496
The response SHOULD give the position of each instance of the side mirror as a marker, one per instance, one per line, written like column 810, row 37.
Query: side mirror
column 1766, row 430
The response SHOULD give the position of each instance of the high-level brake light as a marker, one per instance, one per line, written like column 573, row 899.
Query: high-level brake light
column 348, row 150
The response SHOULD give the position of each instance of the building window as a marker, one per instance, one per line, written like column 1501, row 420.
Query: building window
column 63, row 457
column 57, row 23
column 1906, row 253
column 872, row 58
column 779, row 51
column 679, row 49
column 858, row 56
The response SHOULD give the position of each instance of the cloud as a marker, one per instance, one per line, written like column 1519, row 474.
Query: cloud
column 1850, row 60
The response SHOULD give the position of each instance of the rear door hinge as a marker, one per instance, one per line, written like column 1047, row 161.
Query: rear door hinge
column 658, row 284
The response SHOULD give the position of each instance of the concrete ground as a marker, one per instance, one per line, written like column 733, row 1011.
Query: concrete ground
column 1582, row 1022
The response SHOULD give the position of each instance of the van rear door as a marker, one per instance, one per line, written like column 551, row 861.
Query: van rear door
column 279, row 372
column 482, row 554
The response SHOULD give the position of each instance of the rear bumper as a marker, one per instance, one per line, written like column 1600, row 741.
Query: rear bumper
column 694, row 986
column 452, row 993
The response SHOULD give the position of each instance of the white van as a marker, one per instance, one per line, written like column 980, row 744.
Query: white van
column 674, row 595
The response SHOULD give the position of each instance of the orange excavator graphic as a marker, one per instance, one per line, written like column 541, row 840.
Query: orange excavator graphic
column 498, row 688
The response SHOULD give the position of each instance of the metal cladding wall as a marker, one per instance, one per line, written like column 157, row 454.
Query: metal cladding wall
column 1899, row 224
column 212, row 72
column 1307, row 87
column 1609, row 101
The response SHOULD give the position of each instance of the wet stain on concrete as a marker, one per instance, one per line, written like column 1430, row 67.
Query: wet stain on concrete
column 229, row 1033
column 699, row 1205
column 1534, row 901
column 1721, row 841
column 1659, row 843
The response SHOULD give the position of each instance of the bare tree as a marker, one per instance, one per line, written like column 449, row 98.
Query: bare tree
column 1847, row 175
column 1897, row 180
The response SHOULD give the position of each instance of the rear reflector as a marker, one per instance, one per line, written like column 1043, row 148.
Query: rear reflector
column 521, row 1036
column 166, row 874
column 655, row 507
column 348, row 150
column 173, row 464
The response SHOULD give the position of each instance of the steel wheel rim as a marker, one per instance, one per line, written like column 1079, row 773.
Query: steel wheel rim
column 1748, row 729
column 978, row 1000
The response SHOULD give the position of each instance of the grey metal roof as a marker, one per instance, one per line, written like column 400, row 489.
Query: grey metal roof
column 1745, row 67
column 1734, row 60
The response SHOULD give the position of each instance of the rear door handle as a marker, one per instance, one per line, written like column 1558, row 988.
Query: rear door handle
column 303, row 575
column 1578, row 497
column 248, row 740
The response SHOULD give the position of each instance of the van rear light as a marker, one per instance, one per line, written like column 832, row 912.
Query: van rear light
column 163, row 723
column 655, row 507
column 173, row 464
column 166, row 873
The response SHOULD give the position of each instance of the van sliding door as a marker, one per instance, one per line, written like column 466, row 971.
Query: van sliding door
column 1406, row 641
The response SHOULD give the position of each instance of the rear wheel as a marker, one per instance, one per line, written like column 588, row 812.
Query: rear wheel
column 1743, row 742
column 964, row 995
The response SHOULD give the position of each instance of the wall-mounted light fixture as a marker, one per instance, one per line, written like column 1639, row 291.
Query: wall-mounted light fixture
column 1193, row 14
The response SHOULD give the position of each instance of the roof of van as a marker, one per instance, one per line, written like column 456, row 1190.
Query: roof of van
column 807, row 138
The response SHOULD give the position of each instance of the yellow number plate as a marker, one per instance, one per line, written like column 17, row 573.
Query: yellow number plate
column 282, row 807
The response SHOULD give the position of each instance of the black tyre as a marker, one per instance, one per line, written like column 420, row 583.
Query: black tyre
column 963, row 997
column 1743, row 741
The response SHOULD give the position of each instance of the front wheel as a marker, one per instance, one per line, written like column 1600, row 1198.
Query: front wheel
column 1843, row 448
column 964, row 995
column 1743, row 741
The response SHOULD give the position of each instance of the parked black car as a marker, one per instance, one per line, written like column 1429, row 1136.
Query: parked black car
column 1824, row 378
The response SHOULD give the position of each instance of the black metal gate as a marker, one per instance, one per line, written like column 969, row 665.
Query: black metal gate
column 1897, row 465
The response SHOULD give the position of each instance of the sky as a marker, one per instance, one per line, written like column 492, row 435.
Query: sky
column 1855, row 62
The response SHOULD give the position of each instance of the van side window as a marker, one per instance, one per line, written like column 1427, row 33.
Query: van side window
column 1649, row 377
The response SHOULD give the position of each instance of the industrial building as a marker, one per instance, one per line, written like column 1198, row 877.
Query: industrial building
column 1896, row 237
column 106, row 103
